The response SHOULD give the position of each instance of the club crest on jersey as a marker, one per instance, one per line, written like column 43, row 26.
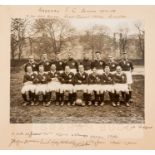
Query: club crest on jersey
column 47, row 63
column 113, row 65
column 128, row 64
column 83, row 76
column 101, row 63
column 60, row 63
column 34, row 65
column 70, row 76
column 32, row 77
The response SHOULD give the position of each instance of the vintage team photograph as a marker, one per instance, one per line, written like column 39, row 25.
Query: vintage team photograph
column 77, row 70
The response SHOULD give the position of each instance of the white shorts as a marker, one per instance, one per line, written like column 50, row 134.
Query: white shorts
column 100, row 71
column 129, row 77
column 83, row 87
column 28, row 87
column 43, row 88
column 121, row 87
column 54, row 86
column 107, row 87
column 94, row 87
column 74, row 71
column 88, row 71
column 66, row 87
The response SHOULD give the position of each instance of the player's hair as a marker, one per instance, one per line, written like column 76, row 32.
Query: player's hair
column 118, row 66
column 67, row 66
column 41, row 65
column 27, row 67
column 98, row 52
column 107, row 66
column 53, row 64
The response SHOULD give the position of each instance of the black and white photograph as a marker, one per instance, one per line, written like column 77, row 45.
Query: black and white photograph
column 77, row 70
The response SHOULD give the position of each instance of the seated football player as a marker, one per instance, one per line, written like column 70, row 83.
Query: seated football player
column 121, row 87
column 42, row 92
column 54, row 83
column 94, row 81
column 28, row 88
column 81, row 86
column 112, row 64
column 67, row 88
column 45, row 62
column 108, row 85
column 31, row 63
column 72, row 64
column 98, row 63
column 127, row 68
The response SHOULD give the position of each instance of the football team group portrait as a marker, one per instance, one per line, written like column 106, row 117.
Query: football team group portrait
column 77, row 71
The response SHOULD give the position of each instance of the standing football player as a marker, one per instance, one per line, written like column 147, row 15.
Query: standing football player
column 112, row 64
column 98, row 63
column 32, row 63
column 60, row 65
column 72, row 64
column 86, row 63
column 45, row 62
column 127, row 67
column 121, row 87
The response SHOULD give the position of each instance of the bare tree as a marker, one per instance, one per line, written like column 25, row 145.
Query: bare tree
column 18, row 29
column 123, row 39
column 94, row 38
column 58, row 33
column 141, row 34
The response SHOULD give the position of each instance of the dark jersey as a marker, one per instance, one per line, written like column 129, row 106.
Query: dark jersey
column 86, row 64
column 60, row 65
column 126, row 65
column 46, row 64
column 120, row 78
column 67, row 78
column 29, row 77
column 107, row 78
column 53, row 75
column 112, row 66
column 42, row 78
column 72, row 64
column 99, row 64
column 81, row 78
column 33, row 65
column 94, row 79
